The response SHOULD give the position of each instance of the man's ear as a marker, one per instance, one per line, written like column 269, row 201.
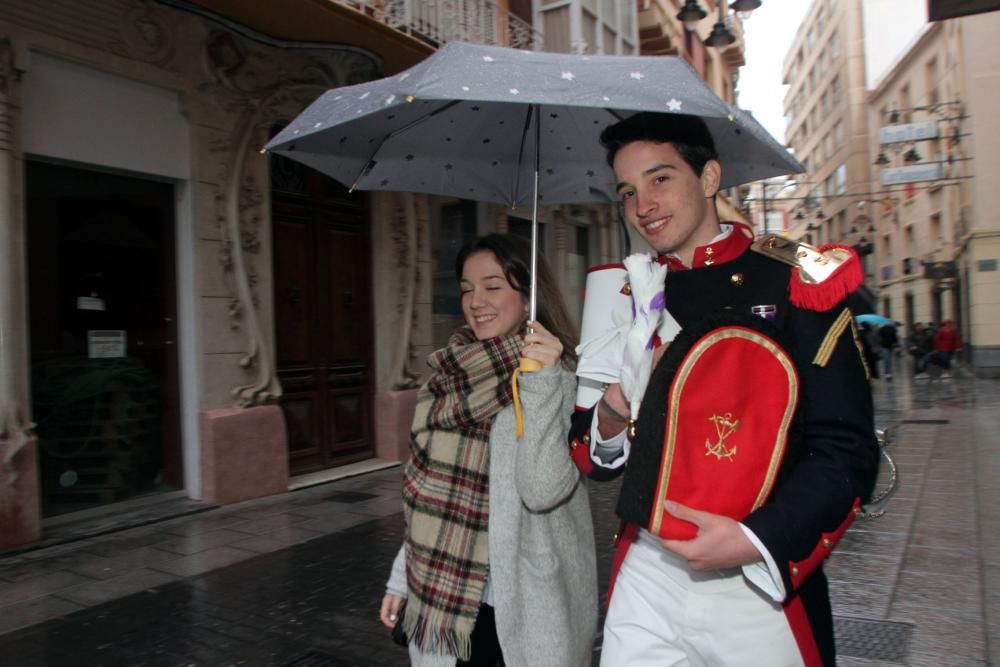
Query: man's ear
column 711, row 177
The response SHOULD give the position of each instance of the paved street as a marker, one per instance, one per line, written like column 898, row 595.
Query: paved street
column 295, row 580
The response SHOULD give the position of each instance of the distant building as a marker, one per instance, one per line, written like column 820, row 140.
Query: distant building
column 935, row 143
column 826, row 120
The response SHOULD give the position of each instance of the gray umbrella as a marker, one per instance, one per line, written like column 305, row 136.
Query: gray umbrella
column 496, row 124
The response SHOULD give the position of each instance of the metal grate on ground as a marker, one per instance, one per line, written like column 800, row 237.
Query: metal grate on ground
column 874, row 640
column 350, row 496
column 314, row 658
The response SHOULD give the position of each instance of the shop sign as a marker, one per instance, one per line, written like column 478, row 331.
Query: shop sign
column 911, row 174
column 894, row 134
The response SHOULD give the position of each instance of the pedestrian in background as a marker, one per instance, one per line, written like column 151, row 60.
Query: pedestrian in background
column 889, row 341
column 498, row 564
column 946, row 343
column 920, row 345
column 872, row 348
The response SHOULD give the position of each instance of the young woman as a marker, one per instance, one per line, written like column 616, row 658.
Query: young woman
column 498, row 562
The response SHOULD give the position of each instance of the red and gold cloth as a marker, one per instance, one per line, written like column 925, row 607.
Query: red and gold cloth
column 713, row 426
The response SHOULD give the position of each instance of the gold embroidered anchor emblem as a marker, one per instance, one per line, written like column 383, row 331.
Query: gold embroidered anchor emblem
column 724, row 427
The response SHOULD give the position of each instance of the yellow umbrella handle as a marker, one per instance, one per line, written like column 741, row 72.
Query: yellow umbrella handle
column 526, row 366
column 529, row 365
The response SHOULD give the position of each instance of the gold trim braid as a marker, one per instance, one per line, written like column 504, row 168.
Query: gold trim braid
column 826, row 348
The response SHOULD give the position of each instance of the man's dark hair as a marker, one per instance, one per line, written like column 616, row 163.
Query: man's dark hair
column 688, row 134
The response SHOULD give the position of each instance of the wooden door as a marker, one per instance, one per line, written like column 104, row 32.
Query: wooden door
column 323, row 317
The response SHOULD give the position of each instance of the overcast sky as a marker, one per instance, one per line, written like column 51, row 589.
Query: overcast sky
column 769, row 33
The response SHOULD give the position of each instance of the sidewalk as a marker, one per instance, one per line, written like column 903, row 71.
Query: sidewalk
column 295, row 580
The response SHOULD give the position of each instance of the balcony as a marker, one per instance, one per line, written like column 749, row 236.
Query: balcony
column 439, row 21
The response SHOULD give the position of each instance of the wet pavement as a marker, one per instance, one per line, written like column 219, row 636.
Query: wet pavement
column 295, row 580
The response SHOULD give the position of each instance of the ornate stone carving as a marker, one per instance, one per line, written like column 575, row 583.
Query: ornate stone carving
column 16, row 433
column 8, row 74
column 145, row 35
column 239, row 199
column 237, row 66
column 260, row 93
column 405, row 238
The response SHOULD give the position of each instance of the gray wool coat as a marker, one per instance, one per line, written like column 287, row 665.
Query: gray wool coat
column 543, row 570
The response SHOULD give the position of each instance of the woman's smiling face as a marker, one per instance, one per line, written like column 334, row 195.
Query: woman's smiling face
column 491, row 305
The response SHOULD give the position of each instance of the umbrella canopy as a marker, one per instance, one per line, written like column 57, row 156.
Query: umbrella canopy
column 479, row 122
column 873, row 319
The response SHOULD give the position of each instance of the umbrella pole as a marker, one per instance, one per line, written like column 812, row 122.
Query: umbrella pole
column 530, row 365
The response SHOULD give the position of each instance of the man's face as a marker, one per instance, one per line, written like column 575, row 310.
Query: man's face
column 664, row 200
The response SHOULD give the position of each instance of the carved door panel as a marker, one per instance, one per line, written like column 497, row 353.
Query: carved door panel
column 323, row 315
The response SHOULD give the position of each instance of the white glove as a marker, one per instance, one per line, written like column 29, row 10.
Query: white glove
column 647, row 279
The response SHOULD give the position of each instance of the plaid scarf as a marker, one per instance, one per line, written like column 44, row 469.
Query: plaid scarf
column 446, row 489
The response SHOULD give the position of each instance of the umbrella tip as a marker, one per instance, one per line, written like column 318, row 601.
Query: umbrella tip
column 410, row 98
column 263, row 151
column 353, row 187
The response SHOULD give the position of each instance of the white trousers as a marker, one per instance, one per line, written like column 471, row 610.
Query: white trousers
column 663, row 613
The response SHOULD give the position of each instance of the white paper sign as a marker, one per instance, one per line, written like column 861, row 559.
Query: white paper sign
column 106, row 344
column 89, row 303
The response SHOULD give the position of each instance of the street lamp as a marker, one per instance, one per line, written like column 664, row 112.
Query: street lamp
column 691, row 14
column 721, row 36
column 744, row 7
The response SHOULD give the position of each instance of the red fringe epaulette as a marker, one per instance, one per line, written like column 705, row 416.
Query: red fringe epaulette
column 833, row 289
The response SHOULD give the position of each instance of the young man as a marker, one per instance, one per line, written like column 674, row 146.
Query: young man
column 746, row 589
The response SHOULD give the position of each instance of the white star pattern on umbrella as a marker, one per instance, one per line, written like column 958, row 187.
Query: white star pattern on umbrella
column 606, row 98
column 465, row 89
column 674, row 104
column 636, row 75
column 389, row 100
column 364, row 96
column 488, row 59
column 514, row 91
column 569, row 76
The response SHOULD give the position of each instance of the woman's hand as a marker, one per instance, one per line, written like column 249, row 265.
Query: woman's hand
column 541, row 346
column 389, row 613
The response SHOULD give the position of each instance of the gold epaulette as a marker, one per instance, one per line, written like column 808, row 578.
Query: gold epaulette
column 823, row 276
column 814, row 265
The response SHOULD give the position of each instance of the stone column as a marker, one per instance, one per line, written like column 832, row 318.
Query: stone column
column 20, row 520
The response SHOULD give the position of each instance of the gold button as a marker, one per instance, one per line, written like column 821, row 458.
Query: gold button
column 795, row 571
column 709, row 251
column 827, row 543
column 736, row 279
column 573, row 445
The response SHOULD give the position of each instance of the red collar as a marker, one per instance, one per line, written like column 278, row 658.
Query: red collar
column 719, row 252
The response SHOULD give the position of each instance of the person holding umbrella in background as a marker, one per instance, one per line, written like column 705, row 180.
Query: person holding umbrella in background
column 498, row 564
column 743, row 586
